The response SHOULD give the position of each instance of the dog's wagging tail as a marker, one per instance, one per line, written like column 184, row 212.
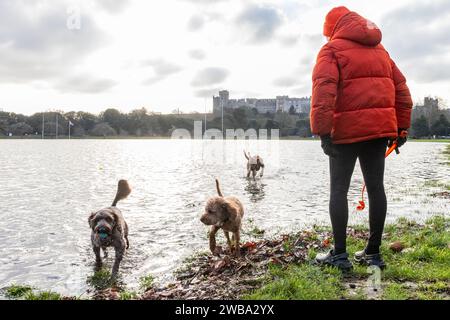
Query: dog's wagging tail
column 123, row 191
column 246, row 155
column 219, row 192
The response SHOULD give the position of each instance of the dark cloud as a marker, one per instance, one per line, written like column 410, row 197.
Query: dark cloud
column 416, row 35
column 39, row 46
column 295, row 10
column 313, row 41
column 162, row 67
column 409, row 32
column 197, row 54
column 161, row 70
column 209, row 76
column 289, row 41
column 205, row 1
column 113, row 6
column 85, row 83
column 206, row 93
column 152, row 80
column 288, row 81
column 196, row 22
column 260, row 21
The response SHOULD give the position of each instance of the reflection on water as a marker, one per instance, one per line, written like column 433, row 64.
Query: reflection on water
column 48, row 188
column 255, row 190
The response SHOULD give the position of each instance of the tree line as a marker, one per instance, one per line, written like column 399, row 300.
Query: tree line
column 142, row 123
column 422, row 127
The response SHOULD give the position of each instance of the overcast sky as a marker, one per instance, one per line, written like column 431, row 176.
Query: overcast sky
column 168, row 54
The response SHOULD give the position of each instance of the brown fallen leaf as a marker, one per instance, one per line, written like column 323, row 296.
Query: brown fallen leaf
column 220, row 264
column 275, row 260
column 396, row 246
column 249, row 245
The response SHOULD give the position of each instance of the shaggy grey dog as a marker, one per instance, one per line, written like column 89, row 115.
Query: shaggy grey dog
column 254, row 164
column 109, row 229
column 224, row 213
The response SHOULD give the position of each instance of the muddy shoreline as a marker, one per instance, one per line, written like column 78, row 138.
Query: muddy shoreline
column 283, row 267
column 224, row 277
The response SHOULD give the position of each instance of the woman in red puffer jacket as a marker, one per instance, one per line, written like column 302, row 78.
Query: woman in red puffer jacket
column 360, row 101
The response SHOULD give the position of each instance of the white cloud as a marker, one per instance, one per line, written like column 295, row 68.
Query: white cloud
column 176, row 53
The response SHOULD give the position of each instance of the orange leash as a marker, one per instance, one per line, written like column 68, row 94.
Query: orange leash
column 394, row 146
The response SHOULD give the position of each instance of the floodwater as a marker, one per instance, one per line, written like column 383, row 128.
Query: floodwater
column 48, row 188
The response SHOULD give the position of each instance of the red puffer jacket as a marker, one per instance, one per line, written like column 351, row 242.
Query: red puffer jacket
column 359, row 94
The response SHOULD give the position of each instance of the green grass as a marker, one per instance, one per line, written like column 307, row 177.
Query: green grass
column 257, row 232
column 43, row 295
column 424, row 263
column 128, row 295
column 447, row 151
column 301, row 283
column 437, row 184
column 253, row 230
column 16, row 292
column 395, row 291
column 429, row 140
column 101, row 280
column 146, row 282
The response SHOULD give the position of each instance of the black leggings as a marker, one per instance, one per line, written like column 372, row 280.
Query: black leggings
column 371, row 159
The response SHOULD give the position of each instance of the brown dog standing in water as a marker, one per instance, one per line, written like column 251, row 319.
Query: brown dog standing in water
column 109, row 229
column 224, row 213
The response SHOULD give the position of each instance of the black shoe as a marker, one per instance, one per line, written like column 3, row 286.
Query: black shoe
column 336, row 260
column 365, row 259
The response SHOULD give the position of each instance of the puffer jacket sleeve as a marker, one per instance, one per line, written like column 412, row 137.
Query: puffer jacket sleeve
column 325, row 81
column 403, row 101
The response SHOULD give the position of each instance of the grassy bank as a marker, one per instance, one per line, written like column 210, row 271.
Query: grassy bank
column 418, row 259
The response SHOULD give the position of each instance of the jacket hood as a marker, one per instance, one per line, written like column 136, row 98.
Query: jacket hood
column 356, row 28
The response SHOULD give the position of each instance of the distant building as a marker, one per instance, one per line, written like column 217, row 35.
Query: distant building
column 430, row 110
column 280, row 103
column 300, row 105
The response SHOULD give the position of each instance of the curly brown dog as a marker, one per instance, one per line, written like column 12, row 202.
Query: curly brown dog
column 109, row 229
column 224, row 213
